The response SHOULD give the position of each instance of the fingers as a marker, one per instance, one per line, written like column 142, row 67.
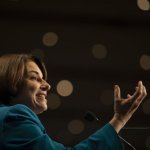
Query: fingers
column 139, row 92
column 138, row 96
column 142, row 94
column 117, row 93
column 125, row 107
column 129, row 96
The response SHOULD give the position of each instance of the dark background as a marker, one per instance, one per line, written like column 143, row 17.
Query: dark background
column 120, row 26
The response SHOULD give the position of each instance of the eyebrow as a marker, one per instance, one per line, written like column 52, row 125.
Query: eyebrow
column 34, row 72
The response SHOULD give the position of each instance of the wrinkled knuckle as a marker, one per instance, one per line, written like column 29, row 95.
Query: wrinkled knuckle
column 136, row 104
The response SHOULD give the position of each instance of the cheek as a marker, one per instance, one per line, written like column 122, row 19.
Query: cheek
column 32, row 89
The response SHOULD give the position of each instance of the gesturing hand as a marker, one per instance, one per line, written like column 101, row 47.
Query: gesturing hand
column 125, row 107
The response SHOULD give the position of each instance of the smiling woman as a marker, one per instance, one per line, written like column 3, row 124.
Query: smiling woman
column 23, row 91
column 16, row 71
column 34, row 89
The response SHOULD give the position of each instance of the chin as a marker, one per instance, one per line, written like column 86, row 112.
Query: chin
column 41, row 108
column 45, row 108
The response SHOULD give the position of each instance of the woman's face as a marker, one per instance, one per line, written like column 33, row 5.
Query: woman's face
column 34, row 90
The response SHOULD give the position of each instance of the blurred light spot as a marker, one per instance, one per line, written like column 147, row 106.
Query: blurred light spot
column 147, row 143
column 143, row 4
column 146, row 106
column 50, row 39
column 53, row 101
column 145, row 62
column 38, row 53
column 76, row 126
column 107, row 97
column 64, row 88
column 99, row 51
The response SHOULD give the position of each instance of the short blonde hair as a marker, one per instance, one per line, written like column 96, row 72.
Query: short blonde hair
column 12, row 71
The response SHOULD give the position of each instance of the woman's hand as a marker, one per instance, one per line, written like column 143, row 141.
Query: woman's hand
column 124, row 108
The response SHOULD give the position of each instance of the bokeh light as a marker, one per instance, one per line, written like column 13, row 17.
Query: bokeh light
column 64, row 88
column 50, row 39
column 99, row 51
column 76, row 126
column 143, row 4
column 53, row 101
column 145, row 62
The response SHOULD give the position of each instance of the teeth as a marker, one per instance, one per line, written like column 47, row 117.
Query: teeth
column 41, row 96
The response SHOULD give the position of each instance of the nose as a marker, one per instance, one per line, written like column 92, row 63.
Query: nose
column 45, row 86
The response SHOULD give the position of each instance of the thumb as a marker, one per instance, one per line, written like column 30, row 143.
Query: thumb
column 117, row 93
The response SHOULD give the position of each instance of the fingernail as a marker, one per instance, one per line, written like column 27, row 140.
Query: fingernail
column 140, row 82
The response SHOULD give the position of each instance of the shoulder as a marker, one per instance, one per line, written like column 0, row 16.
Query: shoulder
column 19, row 126
column 21, row 110
column 20, row 113
column 18, row 110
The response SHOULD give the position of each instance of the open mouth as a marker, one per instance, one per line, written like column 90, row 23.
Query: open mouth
column 41, row 96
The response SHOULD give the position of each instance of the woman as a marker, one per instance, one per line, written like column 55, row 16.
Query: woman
column 23, row 91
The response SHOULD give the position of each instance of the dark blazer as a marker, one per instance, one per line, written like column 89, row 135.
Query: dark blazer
column 21, row 129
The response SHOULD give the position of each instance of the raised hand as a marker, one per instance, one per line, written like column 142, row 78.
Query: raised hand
column 124, row 108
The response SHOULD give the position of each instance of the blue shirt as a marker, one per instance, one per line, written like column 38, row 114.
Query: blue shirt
column 21, row 129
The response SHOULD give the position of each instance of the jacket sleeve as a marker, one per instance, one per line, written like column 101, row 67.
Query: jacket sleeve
column 105, row 138
column 23, row 130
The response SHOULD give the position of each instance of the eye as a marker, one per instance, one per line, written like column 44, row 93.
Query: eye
column 34, row 78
